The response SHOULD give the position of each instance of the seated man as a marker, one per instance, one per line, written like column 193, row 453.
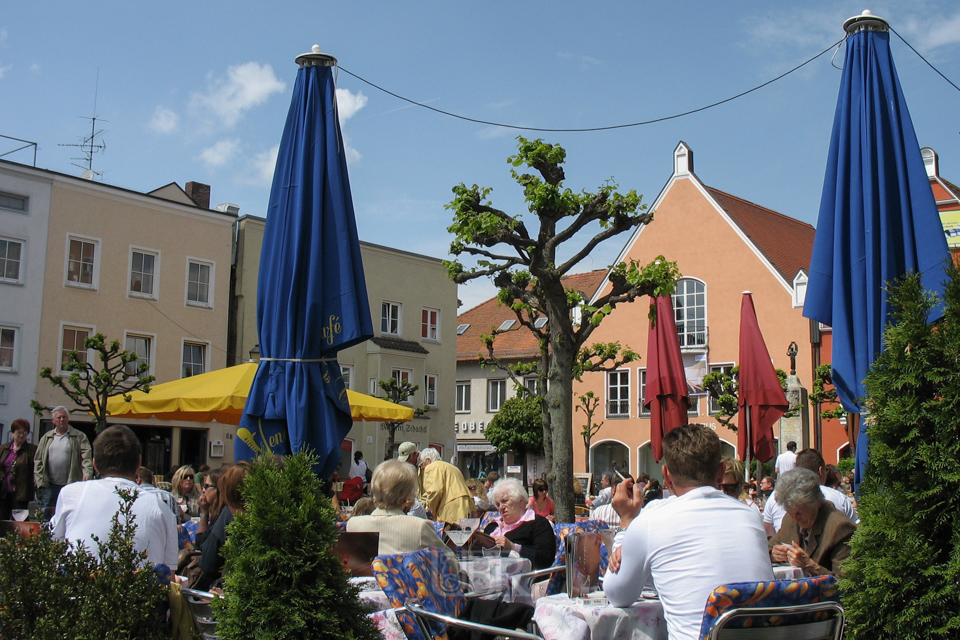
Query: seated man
column 690, row 543
column 145, row 480
column 86, row 509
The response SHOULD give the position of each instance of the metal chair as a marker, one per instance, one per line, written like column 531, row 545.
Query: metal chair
column 806, row 609
column 427, row 596
column 202, row 612
column 809, row 624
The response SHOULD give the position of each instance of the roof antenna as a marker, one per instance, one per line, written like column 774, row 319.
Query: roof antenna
column 89, row 145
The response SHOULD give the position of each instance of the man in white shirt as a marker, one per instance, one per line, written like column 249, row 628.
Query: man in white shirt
column 690, row 543
column 606, row 492
column 811, row 459
column 86, row 509
column 786, row 460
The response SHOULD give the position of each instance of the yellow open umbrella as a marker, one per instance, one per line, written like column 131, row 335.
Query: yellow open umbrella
column 220, row 395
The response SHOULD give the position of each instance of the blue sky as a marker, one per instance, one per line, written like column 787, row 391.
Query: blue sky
column 199, row 91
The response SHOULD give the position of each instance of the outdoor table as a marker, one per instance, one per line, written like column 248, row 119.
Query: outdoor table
column 492, row 572
column 787, row 572
column 387, row 624
column 371, row 594
column 560, row 618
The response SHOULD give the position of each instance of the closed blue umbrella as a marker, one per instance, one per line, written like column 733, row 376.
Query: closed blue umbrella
column 311, row 297
column 878, row 218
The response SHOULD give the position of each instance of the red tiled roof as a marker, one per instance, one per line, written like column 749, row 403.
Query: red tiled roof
column 786, row 242
column 519, row 342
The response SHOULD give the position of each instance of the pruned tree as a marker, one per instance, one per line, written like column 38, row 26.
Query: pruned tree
column 528, row 265
column 517, row 427
column 398, row 391
column 589, row 402
column 89, row 385
column 723, row 388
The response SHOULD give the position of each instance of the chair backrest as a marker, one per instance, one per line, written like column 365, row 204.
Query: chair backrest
column 583, row 563
column 762, row 605
column 561, row 531
column 423, row 575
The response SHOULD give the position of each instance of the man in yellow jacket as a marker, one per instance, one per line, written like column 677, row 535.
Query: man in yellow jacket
column 445, row 491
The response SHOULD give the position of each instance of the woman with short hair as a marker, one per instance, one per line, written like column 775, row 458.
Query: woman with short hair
column 518, row 528
column 393, row 487
column 814, row 535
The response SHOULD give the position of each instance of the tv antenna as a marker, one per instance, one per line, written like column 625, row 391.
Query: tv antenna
column 90, row 145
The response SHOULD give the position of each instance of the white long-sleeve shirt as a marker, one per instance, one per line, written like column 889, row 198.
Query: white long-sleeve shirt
column 86, row 509
column 687, row 546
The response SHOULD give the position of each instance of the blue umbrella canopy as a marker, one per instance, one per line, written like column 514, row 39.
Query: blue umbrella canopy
column 878, row 218
column 311, row 297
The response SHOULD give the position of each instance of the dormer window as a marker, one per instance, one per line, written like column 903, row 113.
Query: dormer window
column 799, row 289
column 507, row 325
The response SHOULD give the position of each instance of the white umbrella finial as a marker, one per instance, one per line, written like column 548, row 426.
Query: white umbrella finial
column 316, row 58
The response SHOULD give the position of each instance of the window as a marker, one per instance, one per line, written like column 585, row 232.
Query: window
column 540, row 323
column 10, row 256
column 143, row 273
column 800, row 289
column 507, row 325
column 390, row 318
column 8, row 349
column 496, row 394
column 194, row 359
column 532, row 383
column 461, row 328
column 72, row 339
column 82, row 268
column 690, row 308
column 140, row 345
column 11, row 201
column 713, row 407
column 400, row 375
column 346, row 372
column 373, row 386
column 618, row 394
column 199, row 283
column 642, row 374
column 430, row 324
column 430, row 389
column 463, row 396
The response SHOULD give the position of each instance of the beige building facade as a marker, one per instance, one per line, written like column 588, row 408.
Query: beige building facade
column 414, row 306
column 149, row 270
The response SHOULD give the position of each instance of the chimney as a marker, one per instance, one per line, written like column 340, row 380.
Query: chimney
column 199, row 193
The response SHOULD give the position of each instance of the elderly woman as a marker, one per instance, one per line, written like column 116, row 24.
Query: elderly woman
column 16, row 469
column 814, row 535
column 518, row 528
column 394, row 486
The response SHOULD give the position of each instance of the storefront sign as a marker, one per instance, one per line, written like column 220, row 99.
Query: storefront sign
column 483, row 448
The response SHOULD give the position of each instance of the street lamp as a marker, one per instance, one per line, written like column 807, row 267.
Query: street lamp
column 255, row 353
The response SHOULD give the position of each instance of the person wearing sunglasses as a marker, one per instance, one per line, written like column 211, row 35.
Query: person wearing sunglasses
column 211, row 503
column 734, row 485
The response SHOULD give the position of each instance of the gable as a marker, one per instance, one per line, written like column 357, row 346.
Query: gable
column 174, row 193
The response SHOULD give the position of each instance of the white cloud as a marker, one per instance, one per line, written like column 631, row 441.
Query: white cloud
column 164, row 120
column 353, row 156
column 244, row 87
column 930, row 34
column 264, row 164
column 585, row 62
column 491, row 132
column 4, row 69
column 220, row 153
column 349, row 103
column 35, row 68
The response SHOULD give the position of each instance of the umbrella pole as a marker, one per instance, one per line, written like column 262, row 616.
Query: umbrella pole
column 748, row 442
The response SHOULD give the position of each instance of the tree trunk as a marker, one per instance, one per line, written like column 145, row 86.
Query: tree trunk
column 559, row 400
column 586, row 453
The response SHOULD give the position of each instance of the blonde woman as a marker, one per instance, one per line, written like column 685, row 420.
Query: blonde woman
column 185, row 490
column 734, row 485
column 479, row 494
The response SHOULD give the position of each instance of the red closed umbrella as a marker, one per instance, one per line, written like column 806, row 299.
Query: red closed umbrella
column 666, row 395
column 760, row 396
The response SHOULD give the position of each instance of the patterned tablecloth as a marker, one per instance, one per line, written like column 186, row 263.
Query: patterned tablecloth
column 561, row 618
column 496, row 573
